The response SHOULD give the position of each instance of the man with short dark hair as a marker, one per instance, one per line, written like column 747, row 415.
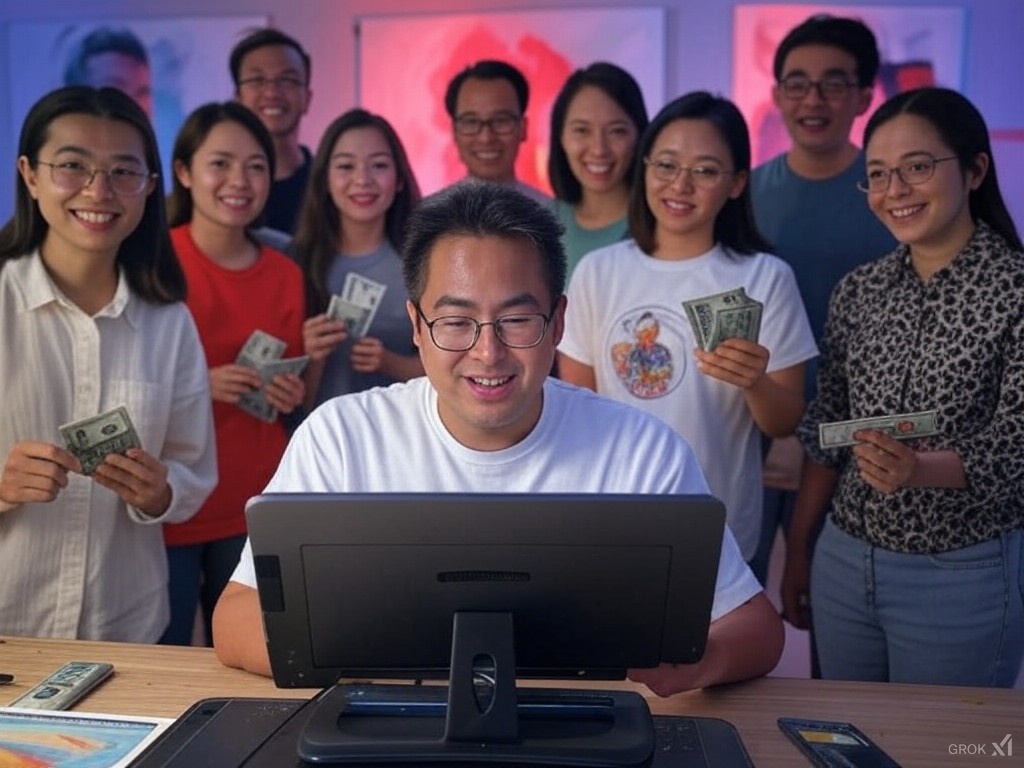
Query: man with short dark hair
column 271, row 72
column 115, row 58
column 485, row 274
column 806, row 201
column 487, row 104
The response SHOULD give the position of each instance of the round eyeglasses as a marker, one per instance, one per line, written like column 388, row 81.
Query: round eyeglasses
column 916, row 171
column 458, row 333
column 829, row 88
column 72, row 176
column 501, row 124
column 701, row 176
column 281, row 83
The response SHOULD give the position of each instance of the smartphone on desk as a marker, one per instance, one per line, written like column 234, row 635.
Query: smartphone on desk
column 830, row 744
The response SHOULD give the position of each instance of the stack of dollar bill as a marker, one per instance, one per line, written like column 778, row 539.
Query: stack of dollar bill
column 901, row 426
column 357, row 303
column 727, row 315
column 90, row 440
column 263, row 353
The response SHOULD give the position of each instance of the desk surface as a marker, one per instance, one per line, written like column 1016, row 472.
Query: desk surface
column 917, row 725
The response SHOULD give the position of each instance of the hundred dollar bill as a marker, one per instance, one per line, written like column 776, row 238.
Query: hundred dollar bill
column 92, row 439
column 720, row 316
column 255, row 402
column 902, row 426
column 259, row 348
column 357, row 318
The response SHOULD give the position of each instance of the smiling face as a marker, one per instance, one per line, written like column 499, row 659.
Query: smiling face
column 933, row 217
column 93, row 221
column 228, row 178
column 272, row 83
column 362, row 178
column 819, row 126
column 599, row 139
column 489, row 155
column 684, row 212
column 490, row 396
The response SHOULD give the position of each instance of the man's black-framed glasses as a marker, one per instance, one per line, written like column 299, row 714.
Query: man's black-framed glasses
column 500, row 124
column 459, row 333
column 798, row 86
column 915, row 171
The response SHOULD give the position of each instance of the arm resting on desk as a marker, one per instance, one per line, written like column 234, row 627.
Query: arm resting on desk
column 744, row 643
column 238, row 630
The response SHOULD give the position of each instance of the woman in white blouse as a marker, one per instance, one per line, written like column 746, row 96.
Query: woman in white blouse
column 92, row 319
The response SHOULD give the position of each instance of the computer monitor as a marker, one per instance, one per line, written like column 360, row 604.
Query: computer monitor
column 480, row 588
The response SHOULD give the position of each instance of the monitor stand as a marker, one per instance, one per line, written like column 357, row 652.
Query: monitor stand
column 480, row 717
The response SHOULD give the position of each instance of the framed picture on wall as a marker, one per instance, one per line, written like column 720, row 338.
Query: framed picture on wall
column 405, row 63
column 185, row 64
column 919, row 45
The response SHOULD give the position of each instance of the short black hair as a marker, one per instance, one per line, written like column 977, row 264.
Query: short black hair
column 476, row 208
column 102, row 40
column 619, row 86
column 487, row 69
column 850, row 35
column 261, row 38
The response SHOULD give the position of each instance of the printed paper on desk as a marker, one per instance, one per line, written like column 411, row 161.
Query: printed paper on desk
column 32, row 737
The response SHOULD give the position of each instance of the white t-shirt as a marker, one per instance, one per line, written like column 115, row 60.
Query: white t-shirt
column 392, row 439
column 625, row 320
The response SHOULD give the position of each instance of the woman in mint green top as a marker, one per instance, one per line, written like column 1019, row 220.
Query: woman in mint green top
column 595, row 123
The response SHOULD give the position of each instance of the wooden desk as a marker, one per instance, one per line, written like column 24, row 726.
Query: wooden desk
column 915, row 724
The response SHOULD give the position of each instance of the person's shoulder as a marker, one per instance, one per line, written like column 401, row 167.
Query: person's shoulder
column 599, row 414
column 376, row 401
column 770, row 171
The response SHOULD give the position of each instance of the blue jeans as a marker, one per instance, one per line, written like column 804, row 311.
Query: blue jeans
column 949, row 618
column 198, row 574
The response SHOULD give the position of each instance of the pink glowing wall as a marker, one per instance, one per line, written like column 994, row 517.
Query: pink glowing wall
column 918, row 44
column 405, row 63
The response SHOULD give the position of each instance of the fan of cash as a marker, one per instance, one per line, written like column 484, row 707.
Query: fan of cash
column 92, row 439
column 357, row 303
column 728, row 315
column 263, row 353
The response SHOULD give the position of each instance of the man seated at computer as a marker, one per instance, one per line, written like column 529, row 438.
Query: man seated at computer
column 485, row 273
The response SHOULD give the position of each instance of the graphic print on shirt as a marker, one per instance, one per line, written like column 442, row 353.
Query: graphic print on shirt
column 648, row 350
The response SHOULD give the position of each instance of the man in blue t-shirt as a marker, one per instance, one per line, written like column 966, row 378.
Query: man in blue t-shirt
column 806, row 200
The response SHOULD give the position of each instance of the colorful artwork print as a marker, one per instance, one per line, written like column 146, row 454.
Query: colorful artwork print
column 918, row 45
column 648, row 351
column 31, row 739
column 406, row 62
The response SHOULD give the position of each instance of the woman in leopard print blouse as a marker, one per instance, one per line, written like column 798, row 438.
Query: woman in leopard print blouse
column 917, row 575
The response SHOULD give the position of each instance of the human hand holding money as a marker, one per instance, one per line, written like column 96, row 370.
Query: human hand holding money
column 903, row 426
column 35, row 471
column 721, row 316
column 357, row 303
column 91, row 440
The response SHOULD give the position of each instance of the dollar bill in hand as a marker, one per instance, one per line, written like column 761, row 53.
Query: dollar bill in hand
column 92, row 439
column 261, row 347
column 254, row 402
column 720, row 316
column 357, row 318
column 901, row 426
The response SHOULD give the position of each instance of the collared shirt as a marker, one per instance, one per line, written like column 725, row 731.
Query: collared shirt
column 954, row 343
column 87, row 565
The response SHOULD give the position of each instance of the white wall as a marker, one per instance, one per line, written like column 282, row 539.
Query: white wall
column 698, row 34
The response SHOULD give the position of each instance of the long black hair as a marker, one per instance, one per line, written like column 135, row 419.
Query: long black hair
column 146, row 255
column 961, row 128
column 734, row 225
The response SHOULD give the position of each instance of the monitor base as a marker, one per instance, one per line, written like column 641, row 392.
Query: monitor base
column 402, row 724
